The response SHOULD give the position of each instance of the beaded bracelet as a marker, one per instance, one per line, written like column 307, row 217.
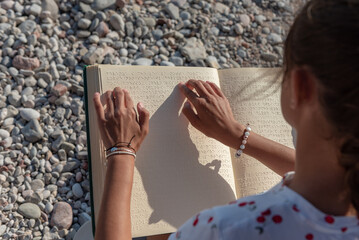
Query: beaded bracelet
column 244, row 141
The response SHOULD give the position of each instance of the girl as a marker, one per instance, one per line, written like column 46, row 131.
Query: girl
column 320, row 99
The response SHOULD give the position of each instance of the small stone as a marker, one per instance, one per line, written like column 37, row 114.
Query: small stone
column 33, row 131
column 274, row 38
column 83, row 218
column 70, row 166
column 150, row 22
column 269, row 57
column 166, row 63
column 102, row 4
column 21, row 62
column 212, row 62
column 6, row 5
column 4, row 134
column 220, row 7
column 2, row 229
column 37, row 184
column 84, row 23
column 157, row 34
column 61, row 216
column 29, row 210
column 28, row 114
column 194, row 49
column 35, row 9
column 143, row 62
column 129, row 29
column 120, row 3
column 77, row 190
column 50, row 6
column 117, row 22
column 172, row 10
column 102, row 29
column 238, row 29
column 245, row 20
column 59, row 89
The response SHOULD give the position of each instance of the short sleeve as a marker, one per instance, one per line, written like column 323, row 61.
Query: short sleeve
column 201, row 226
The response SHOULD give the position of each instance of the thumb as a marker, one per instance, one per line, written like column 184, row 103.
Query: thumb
column 144, row 118
column 191, row 115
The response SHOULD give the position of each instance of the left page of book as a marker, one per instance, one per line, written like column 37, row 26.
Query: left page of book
column 178, row 170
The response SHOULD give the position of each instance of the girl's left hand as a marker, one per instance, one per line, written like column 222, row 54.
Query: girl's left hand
column 118, row 121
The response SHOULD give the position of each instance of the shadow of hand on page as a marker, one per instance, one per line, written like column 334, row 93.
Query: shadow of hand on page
column 177, row 185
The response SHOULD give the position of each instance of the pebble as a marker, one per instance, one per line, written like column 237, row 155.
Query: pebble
column 37, row 184
column 172, row 10
column 33, row 131
column 28, row 114
column 84, row 23
column 29, row 210
column 61, row 216
column 194, row 49
column 274, row 38
column 102, row 4
column 117, row 22
column 21, row 62
column 77, row 190
column 269, row 57
column 143, row 62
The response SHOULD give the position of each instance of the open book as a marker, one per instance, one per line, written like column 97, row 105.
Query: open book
column 178, row 170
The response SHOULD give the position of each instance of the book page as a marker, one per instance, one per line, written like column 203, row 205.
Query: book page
column 178, row 170
column 254, row 95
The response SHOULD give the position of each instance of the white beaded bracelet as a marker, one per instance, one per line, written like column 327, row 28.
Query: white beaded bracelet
column 244, row 141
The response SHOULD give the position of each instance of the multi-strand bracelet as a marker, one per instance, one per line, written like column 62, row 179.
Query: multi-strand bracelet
column 244, row 141
column 121, row 148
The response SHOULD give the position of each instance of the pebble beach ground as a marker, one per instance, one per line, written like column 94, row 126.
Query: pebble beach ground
column 44, row 45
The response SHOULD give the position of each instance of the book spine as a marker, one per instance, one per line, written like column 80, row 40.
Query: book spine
column 93, row 218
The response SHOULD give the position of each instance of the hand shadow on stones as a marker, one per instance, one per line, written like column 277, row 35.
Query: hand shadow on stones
column 164, row 162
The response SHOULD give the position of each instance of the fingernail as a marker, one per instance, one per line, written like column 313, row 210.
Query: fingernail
column 140, row 105
column 125, row 90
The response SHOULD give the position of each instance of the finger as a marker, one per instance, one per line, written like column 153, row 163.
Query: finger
column 109, row 103
column 191, row 115
column 144, row 118
column 103, row 99
column 128, row 99
column 192, row 97
column 216, row 89
column 119, row 100
column 198, row 86
column 208, row 88
column 98, row 106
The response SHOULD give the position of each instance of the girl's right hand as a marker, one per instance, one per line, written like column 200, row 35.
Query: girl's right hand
column 209, row 111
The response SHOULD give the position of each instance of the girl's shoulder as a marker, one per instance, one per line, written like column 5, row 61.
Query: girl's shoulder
column 279, row 213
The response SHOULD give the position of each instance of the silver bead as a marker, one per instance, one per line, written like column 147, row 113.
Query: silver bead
column 248, row 128
column 244, row 141
column 242, row 147
column 246, row 133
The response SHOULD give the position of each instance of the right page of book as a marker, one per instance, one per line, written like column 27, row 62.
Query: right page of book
column 254, row 95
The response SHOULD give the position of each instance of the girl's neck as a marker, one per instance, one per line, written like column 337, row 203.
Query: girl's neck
column 319, row 178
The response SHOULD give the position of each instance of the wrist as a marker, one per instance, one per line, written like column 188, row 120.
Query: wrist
column 237, row 135
column 122, row 161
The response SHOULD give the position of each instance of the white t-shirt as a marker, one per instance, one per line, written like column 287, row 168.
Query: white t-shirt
column 279, row 213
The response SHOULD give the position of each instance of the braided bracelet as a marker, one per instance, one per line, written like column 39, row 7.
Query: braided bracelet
column 244, row 141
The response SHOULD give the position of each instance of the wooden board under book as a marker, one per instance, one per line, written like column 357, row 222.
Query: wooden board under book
column 178, row 170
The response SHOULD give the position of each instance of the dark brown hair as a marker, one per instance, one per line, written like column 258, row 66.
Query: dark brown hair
column 325, row 37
